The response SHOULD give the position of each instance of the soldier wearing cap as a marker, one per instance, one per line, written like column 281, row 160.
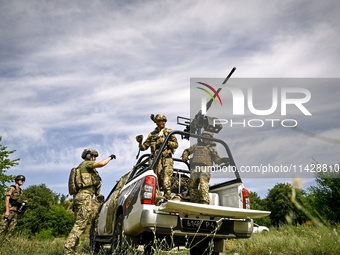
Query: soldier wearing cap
column 204, row 154
column 83, row 204
column 154, row 140
column 14, row 205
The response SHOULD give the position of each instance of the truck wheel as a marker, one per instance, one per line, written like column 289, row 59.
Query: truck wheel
column 94, row 246
column 117, row 238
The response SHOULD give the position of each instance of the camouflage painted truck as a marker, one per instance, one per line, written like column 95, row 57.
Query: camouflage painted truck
column 138, row 218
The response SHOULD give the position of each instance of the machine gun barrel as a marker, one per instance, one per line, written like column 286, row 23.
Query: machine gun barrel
column 197, row 123
column 219, row 89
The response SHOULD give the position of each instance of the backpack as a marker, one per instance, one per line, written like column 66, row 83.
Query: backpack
column 201, row 156
column 74, row 181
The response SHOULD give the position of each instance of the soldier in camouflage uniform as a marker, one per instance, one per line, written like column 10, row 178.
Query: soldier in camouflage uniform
column 83, row 203
column 154, row 140
column 13, row 207
column 204, row 154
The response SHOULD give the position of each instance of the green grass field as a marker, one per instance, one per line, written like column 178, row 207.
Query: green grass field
column 290, row 240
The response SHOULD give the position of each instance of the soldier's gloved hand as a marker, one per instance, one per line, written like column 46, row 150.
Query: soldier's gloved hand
column 112, row 156
column 100, row 198
column 139, row 138
column 185, row 158
column 225, row 161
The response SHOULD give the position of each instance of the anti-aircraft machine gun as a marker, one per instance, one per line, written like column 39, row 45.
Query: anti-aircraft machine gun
column 202, row 121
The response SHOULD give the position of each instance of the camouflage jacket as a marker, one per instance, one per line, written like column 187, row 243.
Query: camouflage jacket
column 154, row 143
column 15, row 194
column 203, row 154
column 90, row 179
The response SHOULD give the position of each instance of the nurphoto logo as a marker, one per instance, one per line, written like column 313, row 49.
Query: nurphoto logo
column 212, row 96
column 282, row 102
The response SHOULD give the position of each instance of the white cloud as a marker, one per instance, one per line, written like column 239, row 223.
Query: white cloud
column 74, row 75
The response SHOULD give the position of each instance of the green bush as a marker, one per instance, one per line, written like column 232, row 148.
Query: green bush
column 45, row 235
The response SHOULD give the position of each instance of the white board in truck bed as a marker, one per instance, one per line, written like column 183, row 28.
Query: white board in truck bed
column 211, row 210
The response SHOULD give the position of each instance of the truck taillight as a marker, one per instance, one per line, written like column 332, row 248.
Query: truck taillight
column 148, row 195
column 246, row 200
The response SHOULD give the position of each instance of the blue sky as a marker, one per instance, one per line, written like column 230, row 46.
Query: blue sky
column 77, row 74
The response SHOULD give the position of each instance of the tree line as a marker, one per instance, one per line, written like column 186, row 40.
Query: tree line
column 290, row 204
column 50, row 214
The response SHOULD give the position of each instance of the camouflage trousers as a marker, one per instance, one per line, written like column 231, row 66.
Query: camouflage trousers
column 7, row 226
column 199, row 187
column 113, row 202
column 83, row 206
column 164, row 173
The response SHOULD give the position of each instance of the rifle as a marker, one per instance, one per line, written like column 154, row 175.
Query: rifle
column 202, row 121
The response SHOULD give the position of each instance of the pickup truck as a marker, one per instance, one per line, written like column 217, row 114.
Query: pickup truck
column 139, row 218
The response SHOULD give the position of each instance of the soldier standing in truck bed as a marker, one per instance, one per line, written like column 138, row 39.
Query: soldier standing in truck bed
column 204, row 155
column 154, row 140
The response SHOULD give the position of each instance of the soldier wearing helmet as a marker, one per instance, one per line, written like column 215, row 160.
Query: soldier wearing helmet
column 14, row 205
column 204, row 155
column 154, row 140
column 83, row 203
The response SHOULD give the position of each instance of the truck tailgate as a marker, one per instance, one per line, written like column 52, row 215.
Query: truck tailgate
column 210, row 210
